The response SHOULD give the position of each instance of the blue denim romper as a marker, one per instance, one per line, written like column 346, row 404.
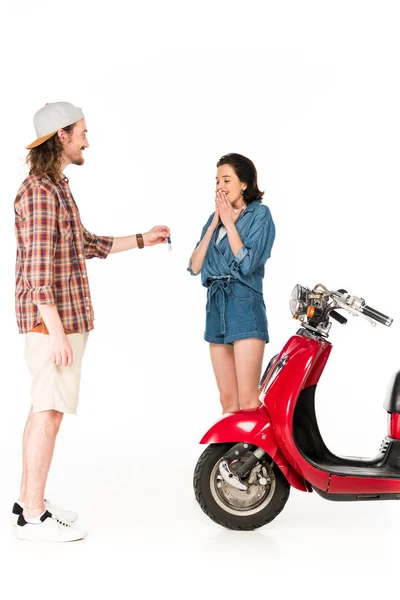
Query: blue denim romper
column 235, row 306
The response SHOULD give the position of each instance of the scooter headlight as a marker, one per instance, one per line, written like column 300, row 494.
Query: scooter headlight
column 299, row 301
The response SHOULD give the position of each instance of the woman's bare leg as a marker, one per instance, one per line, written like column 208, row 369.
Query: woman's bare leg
column 248, row 362
column 223, row 362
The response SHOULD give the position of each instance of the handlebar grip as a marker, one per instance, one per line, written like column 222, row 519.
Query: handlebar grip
column 338, row 317
column 377, row 316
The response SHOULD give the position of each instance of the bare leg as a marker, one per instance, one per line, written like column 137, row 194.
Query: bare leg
column 223, row 362
column 248, row 361
column 23, row 479
column 39, row 440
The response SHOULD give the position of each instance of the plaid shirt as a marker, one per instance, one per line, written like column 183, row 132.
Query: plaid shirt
column 52, row 246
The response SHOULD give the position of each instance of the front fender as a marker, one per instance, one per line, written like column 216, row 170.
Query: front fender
column 254, row 427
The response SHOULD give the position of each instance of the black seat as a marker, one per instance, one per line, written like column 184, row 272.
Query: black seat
column 392, row 404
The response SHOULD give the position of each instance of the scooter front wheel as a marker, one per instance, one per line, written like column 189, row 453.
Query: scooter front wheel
column 234, row 508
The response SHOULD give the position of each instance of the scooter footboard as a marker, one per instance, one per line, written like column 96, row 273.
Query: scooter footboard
column 254, row 427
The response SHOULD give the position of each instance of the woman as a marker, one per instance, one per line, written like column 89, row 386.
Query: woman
column 235, row 244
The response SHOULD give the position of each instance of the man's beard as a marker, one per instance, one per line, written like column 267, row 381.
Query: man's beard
column 79, row 160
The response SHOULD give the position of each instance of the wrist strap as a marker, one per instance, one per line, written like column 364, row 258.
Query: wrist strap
column 140, row 241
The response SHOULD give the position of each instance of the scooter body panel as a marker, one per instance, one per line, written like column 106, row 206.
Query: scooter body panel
column 304, row 360
column 363, row 485
column 254, row 427
column 394, row 425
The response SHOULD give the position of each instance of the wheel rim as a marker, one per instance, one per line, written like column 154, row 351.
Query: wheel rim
column 238, row 502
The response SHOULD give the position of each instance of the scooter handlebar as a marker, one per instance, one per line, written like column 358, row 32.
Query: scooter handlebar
column 376, row 315
column 338, row 317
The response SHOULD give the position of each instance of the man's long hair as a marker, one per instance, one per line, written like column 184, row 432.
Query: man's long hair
column 46, row 159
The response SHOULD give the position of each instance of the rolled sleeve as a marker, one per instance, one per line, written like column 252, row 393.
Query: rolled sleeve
column 239, row 257
column 96, row 246
column 40, row 240
column 190, row 270
column 190, row 264
column 43, row 295
column 257, row 244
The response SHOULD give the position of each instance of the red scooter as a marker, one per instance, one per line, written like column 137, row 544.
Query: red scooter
column 243, row 478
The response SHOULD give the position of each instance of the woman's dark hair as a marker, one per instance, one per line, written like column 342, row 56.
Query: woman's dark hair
column 246, row 172
column 46, row 159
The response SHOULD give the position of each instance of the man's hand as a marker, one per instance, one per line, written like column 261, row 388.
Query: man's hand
column 158, row 235
column 60, row 350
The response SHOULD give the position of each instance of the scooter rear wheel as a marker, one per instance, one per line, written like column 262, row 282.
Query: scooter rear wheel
column 233, row 508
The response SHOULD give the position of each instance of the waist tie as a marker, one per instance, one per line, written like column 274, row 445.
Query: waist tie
column 222, row 286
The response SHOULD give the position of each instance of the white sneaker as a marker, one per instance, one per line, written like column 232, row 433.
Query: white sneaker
column 51, row 529
column 67, row 516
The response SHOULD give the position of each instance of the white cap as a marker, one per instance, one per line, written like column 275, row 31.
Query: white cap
column 52, row 117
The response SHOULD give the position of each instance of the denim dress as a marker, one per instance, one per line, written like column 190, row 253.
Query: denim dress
column 235, row 307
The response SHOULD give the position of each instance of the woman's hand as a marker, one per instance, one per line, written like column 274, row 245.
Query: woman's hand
column 214, row 223
column 158, row 235
column 226, row 212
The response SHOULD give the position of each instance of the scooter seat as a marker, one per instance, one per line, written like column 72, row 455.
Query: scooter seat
column 392, row 404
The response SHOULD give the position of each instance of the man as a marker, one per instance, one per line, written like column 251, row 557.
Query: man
column 53, row 305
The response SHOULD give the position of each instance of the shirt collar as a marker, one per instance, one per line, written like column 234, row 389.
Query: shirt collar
column 252, row 206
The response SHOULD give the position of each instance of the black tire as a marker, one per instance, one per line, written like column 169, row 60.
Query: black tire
column 216, row 505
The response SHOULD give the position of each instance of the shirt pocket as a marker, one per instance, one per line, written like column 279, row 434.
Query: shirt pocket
column 65, row 225
column 239, row 291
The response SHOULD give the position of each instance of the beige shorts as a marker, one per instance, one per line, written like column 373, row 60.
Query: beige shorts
column 52, row 387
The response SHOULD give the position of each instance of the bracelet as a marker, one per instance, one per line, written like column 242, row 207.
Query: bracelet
column 140, row 241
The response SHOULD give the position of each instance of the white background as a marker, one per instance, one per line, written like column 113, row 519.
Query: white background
column 310, row 92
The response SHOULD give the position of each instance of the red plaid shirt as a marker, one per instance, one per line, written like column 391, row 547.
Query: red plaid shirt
column 52, row 246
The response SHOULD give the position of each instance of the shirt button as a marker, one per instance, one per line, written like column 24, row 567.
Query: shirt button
column 87, row 298
column 84, row 276
column 80, row 255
